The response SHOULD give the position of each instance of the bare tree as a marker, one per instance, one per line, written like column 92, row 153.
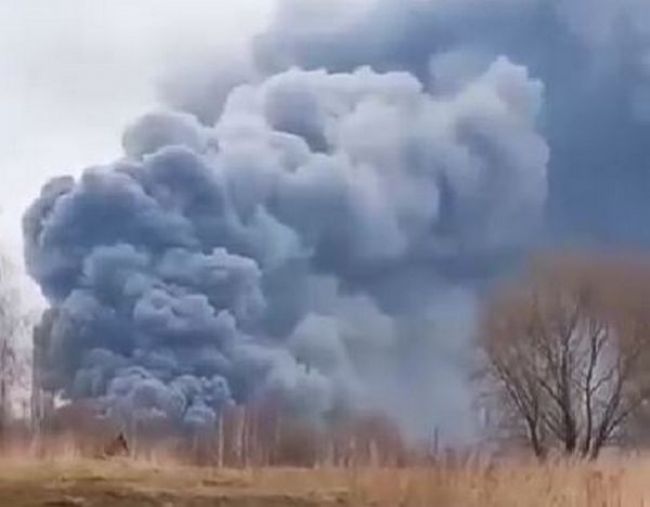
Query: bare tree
column 567, row 353
column 12, row 323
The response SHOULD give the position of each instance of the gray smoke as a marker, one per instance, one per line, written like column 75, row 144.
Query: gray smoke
column 323, row 240
column 593, row 57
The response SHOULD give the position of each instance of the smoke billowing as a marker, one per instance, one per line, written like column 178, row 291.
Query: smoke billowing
column 317, row 221
column 593, row 57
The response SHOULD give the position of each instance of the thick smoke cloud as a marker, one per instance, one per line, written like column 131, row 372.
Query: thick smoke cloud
column 591, row 55
column 323, row 241
column 318, row 217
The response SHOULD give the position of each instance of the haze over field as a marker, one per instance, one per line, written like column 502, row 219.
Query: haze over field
column 308, row 197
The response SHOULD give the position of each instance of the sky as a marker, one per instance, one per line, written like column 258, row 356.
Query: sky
column 74, row 73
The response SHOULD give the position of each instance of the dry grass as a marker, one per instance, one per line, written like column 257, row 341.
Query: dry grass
column 72, row 481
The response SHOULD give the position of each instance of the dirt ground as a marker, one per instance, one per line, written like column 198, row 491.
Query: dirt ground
column 98, row 484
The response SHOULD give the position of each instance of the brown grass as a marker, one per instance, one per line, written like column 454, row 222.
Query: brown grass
column 615, row 482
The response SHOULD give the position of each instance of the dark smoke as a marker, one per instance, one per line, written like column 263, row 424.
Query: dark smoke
column 324, row 240
column 319, row 219
column 323, row 214
column 593, row 57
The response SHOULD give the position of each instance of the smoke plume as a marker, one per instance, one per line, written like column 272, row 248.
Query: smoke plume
column 317, row 219
column 593, row 57
column 323, row 240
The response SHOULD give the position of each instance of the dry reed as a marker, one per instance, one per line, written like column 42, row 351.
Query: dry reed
column 611, row 482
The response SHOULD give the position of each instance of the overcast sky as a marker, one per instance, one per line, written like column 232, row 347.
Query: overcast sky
column 73, row 73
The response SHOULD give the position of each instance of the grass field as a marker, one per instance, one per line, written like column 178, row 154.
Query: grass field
column 70, row 482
